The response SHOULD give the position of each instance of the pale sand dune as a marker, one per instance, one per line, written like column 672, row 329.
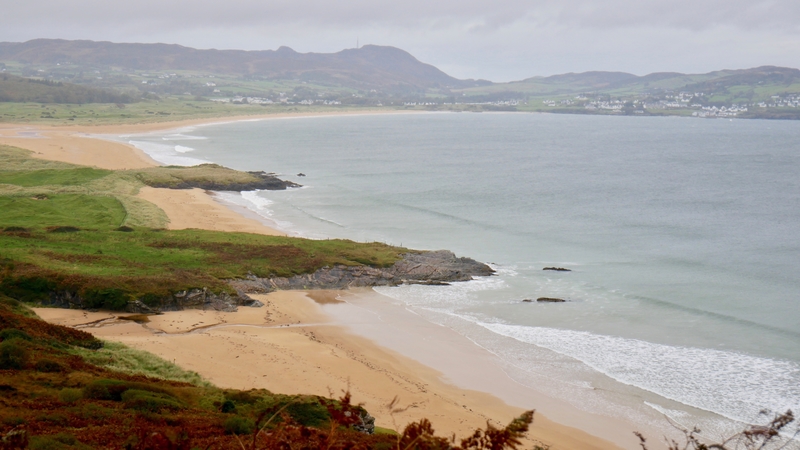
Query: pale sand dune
column 74, row 148
column 194, row 208
column 290, row 346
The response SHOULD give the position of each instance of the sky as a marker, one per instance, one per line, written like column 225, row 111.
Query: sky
column 498, row 40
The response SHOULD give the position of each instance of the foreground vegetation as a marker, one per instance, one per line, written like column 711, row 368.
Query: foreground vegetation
column 62, row 388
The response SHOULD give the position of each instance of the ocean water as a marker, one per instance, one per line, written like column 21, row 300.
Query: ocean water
column 683, row 237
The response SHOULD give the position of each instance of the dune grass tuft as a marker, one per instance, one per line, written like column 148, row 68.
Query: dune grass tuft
column 121, row 358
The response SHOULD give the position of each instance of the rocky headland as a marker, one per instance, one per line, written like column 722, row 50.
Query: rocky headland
column 439, row 267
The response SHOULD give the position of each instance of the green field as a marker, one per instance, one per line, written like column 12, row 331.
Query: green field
column 169, row 109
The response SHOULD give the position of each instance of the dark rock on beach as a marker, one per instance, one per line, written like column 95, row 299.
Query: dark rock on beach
column 191, row 299
column 430, row 268
column 550, row 300
column 527, row 300
column 558, row 269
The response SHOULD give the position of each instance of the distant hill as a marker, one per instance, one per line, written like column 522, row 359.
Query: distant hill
column 368, row 67
column 19, row 89
column 766, row 80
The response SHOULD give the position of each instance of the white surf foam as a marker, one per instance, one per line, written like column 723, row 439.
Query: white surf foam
column 733, row 385
column 183, row 137
column 182, row 149
column 166, row 154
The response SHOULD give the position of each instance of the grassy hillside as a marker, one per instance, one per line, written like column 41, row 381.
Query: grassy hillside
column 18, row 89
column 62, row 388
column 66, row 228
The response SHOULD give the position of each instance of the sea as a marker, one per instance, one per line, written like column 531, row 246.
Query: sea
column 682, row 237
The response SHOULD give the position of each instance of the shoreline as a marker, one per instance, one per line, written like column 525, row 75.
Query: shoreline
column 297, row 347
column 194, row 208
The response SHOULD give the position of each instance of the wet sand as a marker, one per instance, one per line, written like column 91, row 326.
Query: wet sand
column 292, row 346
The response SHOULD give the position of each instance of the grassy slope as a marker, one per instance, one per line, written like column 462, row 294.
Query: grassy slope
column 59, row 233
column 19, row 89
column 64, row 392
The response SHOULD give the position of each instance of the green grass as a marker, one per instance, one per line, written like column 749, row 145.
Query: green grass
column 62, row 210
column 168, row 109
column 68, row 177
column 59, row 232
column 150, row 261
column 121, row 358
column 173, row 176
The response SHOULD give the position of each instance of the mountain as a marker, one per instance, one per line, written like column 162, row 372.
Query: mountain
column 370, row 67
column 766, row 80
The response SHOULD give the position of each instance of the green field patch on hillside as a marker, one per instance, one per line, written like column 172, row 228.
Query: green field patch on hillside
column 66, row 177
column 114, row 266
column 61, row 210
column 180, row 177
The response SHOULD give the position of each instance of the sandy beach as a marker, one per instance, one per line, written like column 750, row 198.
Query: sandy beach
column 297, row 343
column 292, row 346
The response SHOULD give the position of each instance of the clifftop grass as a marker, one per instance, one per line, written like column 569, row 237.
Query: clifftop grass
column 66, row 228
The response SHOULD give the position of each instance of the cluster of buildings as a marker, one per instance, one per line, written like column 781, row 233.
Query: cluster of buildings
column 495, row 103
column 266, row 101
column 777, row 101
column 690, row 100
column 609, row 105
column 713, row 111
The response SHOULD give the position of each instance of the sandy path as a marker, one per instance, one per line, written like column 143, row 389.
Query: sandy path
column 290, row 346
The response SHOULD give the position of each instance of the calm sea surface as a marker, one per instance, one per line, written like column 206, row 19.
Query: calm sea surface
column 683, row 237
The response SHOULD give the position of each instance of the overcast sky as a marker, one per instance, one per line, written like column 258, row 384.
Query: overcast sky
column 499, row 40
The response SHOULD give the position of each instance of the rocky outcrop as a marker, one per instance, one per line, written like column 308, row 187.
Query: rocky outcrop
column 264, row 181
column 550, row 300
column 558, row 269
column 431, row 268
column 191, row 299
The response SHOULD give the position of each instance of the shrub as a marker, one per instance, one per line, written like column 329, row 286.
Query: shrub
column 56, row 442
column 70, row 395
column 228, row 407
column 239, row 425
column 114, row 389
column 13, row 333
column 105, row 390
column 63, row 229
column 48, row 366
column 149, row 401
column 13, row 355
column 151, row 300
column 113, row 299
column 310, row 414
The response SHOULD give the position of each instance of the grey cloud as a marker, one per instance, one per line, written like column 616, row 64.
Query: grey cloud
column 682, row 14
column 498, row 40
